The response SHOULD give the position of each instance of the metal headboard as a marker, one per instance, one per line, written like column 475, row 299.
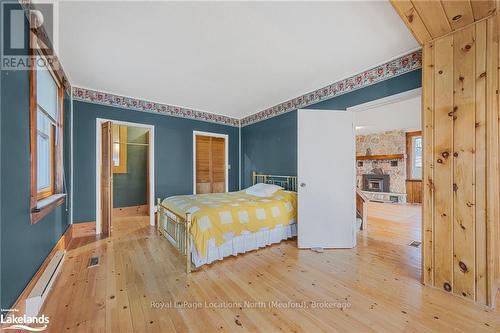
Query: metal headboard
column 289, row 183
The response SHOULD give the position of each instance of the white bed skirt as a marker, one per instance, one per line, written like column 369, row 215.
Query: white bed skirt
column 245, row 242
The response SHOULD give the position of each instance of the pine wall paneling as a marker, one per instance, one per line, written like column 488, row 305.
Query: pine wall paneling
column 428, row 61
column 463, row 130
column 461, row 235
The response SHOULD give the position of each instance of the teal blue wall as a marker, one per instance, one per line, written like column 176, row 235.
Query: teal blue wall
column 173, row 152
column 130, row 188
column 270, row 146
column 23, row 246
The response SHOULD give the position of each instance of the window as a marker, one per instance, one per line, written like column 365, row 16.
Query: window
column 414, row 155
column 47, row 115
column 416, row 163
column 46, row 138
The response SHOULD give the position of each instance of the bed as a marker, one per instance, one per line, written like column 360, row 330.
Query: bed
column 209, row 227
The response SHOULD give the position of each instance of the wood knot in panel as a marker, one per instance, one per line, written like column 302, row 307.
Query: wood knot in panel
column 463, row 267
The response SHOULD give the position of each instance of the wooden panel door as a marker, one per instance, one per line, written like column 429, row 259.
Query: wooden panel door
column 218, row 165
column 106, row 177
column 203, row 161
column 210, row 164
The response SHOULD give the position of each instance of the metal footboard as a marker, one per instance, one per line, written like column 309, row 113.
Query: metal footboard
column 177, row 230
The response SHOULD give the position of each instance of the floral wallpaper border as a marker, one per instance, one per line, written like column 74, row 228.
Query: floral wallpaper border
column 396, row 67
column 93, row 96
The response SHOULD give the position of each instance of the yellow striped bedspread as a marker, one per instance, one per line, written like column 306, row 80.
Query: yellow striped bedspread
column 216, row 214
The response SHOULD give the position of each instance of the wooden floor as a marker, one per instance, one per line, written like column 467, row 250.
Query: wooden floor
column 140, row 286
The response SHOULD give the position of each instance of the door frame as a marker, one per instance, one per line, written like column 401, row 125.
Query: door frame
column 151, row 164
column 399, row 97
column 226, row 148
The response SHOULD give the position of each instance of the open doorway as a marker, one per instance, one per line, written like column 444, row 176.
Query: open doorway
column 124, row 173
column 389, row 155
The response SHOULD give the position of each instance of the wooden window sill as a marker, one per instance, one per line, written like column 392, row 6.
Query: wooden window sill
column 46, row 205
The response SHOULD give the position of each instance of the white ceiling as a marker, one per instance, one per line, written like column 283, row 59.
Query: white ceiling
column 403, row 113
column 230, row 58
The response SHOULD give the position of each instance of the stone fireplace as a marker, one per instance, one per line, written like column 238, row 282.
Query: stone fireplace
column 382, row 179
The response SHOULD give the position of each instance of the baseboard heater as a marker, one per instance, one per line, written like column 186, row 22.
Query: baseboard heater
column 42, row 287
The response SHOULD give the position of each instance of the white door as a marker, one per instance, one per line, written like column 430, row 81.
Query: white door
column 327, row 179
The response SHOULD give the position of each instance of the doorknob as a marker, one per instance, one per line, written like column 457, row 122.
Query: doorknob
column 302, row 184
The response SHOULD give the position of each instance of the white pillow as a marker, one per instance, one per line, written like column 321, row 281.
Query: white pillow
column 263, row 190
column 258, row 193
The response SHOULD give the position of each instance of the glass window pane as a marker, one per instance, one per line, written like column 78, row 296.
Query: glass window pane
column 42, row 123
column 43, row 161
column 44, row 132
column 416, row 171
column 46, row 89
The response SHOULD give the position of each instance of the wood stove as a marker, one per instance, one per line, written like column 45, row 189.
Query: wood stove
column 376, row 183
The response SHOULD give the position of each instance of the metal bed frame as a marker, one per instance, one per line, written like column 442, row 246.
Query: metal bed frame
column 178, row 227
